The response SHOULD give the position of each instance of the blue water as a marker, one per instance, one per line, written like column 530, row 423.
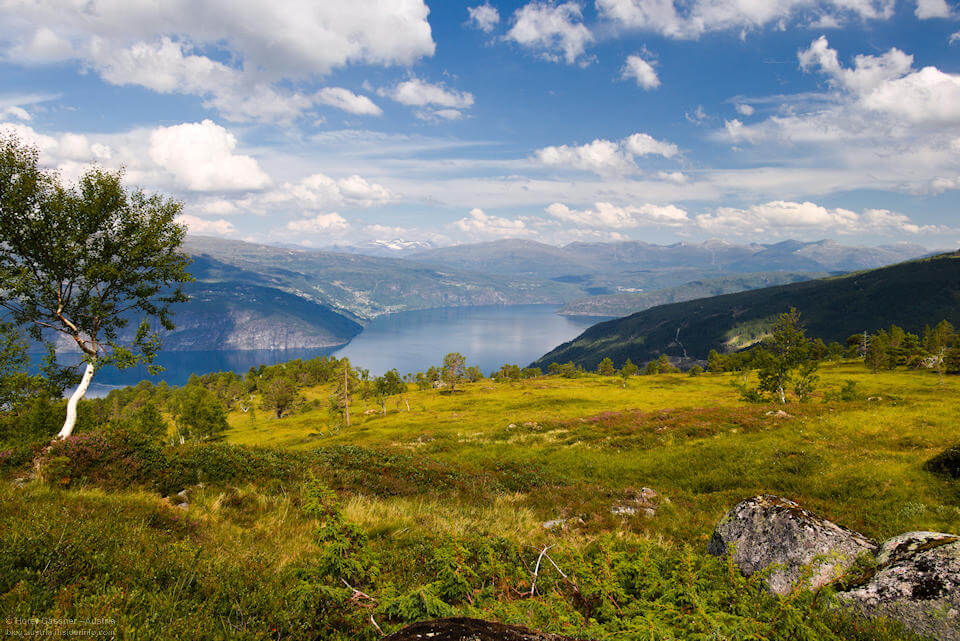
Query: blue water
column 409, row 342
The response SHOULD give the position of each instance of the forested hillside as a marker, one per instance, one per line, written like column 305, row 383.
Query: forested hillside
column 910, row 295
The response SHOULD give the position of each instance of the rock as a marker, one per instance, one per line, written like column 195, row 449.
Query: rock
column 769, row 530
column 778, row 414
column 917, row 582
column 461, row 629
column 645, row 502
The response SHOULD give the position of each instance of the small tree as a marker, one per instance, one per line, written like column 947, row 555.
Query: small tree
column 199, row 415
column 606, row 368
column 345, row 384
column 83, row 261
column 715, row 362
column 664, row 366
column 280, row 396
column 453, row 370
column 629, row 369
column 788, row 358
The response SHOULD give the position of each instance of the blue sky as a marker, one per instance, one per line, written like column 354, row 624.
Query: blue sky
column 661, row 120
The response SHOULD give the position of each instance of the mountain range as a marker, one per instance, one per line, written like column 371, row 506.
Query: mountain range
column 254, row 296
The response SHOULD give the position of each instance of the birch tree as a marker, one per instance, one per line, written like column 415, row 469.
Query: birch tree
column 83, row 261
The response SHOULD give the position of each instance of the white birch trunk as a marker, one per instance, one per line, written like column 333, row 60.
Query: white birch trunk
column 78, row 393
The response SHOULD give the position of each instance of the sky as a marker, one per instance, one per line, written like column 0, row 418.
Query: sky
column 343, row 122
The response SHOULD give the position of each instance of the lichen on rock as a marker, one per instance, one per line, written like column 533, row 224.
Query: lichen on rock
column 796, row 547
column 917, row 582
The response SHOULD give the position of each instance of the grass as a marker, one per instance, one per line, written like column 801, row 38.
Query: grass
column 443, row 508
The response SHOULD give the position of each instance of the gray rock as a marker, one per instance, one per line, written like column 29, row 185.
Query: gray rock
column 917, row 583
column 769, row 531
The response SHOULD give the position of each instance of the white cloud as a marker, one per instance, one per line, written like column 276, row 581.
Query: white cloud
column 600, row 156
column 165, row 67
column 785, row 218
column 955, row 37
column 317, row 192
column 612, row 216
column 745, row 110
column 418, row 93
column 319, row 223
column 888, row 84
column 65, row 152
column 932, row 9
column 356, row 190
column 197, row 225
column 201, row 157
column 550, row 29
column 642, row 71
column 218, row 207
column 437, row 102
column 677, row 177
column 605, row 156
column 693, row 18
column 14, row 111
column 484, row 17
column 645, row 144
column 346, row 100
column 479, row 223
column 162, row 46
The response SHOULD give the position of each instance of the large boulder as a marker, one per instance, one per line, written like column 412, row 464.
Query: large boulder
column 460, row 629
column 917, row 582
column 768, row 530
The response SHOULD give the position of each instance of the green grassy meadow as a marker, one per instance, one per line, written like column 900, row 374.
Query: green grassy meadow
column 441, row 509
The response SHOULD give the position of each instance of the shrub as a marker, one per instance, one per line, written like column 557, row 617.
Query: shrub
column 946, row 463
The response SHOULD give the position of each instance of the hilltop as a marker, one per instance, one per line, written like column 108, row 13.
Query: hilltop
column 909, row 294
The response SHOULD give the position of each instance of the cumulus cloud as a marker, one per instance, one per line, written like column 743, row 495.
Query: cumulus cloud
column 551, row 30
column 201, row 157
column 418, row 93
column 642, row 71
column 785, row 218
column 745, row 110
column 932, row 9
column 693, row 18
column 163, row 46
column 317, row 192
column 197, row 225
column 14, row 111
column 605, row 156
column 479, row 223
column 599, row 156
column 484, row 17
column 436, row 100
column 646, row 145
column 319, row 223
column 346, row 100
column 71, row 154
column 888, row 83
column 611, row 216
column 883, row 121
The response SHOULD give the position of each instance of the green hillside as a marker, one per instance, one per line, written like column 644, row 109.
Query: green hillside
column 910, row 294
